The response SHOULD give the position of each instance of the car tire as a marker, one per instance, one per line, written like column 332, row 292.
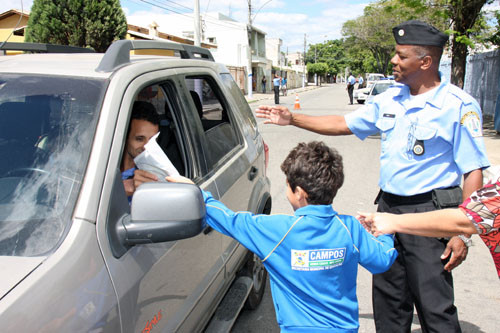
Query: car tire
column 255, row 269
column 360, row 101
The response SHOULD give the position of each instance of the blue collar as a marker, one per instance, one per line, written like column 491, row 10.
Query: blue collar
column 436, row 100
column 316, row 210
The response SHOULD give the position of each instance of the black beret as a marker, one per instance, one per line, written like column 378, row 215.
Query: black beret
column 416, row 32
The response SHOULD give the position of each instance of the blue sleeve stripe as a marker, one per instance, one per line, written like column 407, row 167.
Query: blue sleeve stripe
column 348, row 231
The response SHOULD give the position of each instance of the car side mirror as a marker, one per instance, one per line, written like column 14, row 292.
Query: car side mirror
column 160, row 212
column 163, row 212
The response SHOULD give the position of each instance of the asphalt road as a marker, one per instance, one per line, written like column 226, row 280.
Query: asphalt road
column 477, row 288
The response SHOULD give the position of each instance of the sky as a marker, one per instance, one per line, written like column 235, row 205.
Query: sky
column 289, row 20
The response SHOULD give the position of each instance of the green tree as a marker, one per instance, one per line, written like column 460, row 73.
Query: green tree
column 85, row 23
column 319, row 68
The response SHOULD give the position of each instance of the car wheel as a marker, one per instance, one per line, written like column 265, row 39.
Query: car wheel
column 255, row 269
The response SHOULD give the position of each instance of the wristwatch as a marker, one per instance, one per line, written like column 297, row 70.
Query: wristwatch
column 467, row 240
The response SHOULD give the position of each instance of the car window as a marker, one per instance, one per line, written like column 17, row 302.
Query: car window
column 215, row 117
column 244, row 108
column 380, row 88
column 47, row 125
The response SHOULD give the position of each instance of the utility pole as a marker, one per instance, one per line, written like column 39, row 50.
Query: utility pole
column 197, row 41
column 249, row 50
column 304, row 64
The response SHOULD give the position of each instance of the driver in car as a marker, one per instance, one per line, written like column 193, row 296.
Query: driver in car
column 144, row 124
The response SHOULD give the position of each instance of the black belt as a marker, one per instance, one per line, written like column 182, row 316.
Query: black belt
column 401, row 199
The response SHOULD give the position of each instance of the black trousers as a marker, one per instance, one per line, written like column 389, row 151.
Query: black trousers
column 276, row 94
column 350, row 89
column 416, row 278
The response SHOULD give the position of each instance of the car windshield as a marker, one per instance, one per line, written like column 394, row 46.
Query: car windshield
column 46, row 130
column 380, row 88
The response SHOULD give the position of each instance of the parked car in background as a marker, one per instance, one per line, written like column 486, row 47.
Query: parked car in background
column 74, row 255
column 360, row 95
column 378, row 88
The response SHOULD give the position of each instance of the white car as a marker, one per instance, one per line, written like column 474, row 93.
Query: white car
column 378, row 88
column 360, row 95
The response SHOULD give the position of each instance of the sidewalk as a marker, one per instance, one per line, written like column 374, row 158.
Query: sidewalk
column 270, row 95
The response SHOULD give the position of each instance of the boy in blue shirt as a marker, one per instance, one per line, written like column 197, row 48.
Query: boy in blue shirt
column 312, row 256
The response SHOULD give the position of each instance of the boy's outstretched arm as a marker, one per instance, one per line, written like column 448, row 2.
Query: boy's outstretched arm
column 242, row 226
column 438, row 223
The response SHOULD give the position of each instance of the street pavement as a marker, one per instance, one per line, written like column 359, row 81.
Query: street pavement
column 477, row 288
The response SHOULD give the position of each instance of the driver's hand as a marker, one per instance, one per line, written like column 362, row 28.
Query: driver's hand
column 128, row 184
column 142, row 176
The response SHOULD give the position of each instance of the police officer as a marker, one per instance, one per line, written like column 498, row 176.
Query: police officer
column 431, row 135
column 276, row 87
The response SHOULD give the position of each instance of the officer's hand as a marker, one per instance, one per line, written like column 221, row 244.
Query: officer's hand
column 142, row 176
column 278, row 115
column 458, row 251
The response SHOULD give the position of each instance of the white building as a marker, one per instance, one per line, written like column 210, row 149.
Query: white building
column 236, row 43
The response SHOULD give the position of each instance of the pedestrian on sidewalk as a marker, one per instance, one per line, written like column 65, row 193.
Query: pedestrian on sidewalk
column 351, row 81
column 276, row 87
column 424, row 122
column 360, row 82
column 264, row 82
column 283, row 86
column 312, row 256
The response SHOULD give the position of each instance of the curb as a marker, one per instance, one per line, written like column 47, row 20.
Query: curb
column 261, row 97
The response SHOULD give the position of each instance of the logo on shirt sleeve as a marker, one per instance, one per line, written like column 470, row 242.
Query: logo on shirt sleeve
column 473, row 123
column 317, row 260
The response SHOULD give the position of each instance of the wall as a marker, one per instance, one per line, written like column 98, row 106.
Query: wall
column 482, row 81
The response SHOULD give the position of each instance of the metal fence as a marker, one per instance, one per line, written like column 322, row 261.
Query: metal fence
column 482, row 81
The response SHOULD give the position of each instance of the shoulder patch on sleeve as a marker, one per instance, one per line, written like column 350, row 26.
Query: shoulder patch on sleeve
column 472, row 122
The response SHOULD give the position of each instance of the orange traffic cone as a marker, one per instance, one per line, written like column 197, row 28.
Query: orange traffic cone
column 297, row 102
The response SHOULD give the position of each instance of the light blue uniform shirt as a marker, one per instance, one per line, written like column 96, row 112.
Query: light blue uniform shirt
column 351, row 80
column 276, row 82
column 448, row 122
column 312, row 259
column 360, row 80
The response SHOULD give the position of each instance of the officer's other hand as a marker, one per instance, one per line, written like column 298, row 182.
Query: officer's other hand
column 458, row 251
column 278, row 115
column 142, row 176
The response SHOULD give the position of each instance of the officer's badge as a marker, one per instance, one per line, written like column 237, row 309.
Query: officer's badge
column 473, row 124
column 418, row 148
column 401, row 32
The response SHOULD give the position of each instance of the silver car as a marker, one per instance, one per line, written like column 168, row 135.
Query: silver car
column 75, row 256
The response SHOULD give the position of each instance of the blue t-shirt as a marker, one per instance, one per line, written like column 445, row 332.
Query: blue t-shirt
column 127, row 174
column 312, row 259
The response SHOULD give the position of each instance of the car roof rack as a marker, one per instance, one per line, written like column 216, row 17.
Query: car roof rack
column 43, row 48
column 118, row 53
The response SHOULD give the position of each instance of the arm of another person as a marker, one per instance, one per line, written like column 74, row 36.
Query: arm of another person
column 438, row 223
column 326, row 125
column 472, row 181
column 375, row 254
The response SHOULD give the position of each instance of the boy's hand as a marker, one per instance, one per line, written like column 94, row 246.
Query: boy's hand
column 278, row 115
column 179, row 179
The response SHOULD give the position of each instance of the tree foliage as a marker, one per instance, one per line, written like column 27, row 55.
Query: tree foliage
column 85, row 23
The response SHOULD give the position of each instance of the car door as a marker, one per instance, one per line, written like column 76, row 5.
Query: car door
column 169, row 286
column 227, row 154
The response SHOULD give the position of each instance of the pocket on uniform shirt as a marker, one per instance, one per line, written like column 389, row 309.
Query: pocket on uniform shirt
column 424, row 133
column 385, row 124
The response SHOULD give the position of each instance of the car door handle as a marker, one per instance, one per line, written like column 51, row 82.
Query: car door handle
column 252, row 173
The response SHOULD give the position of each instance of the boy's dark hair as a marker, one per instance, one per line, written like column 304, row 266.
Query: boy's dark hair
column 145, row 111
column 317, row 169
